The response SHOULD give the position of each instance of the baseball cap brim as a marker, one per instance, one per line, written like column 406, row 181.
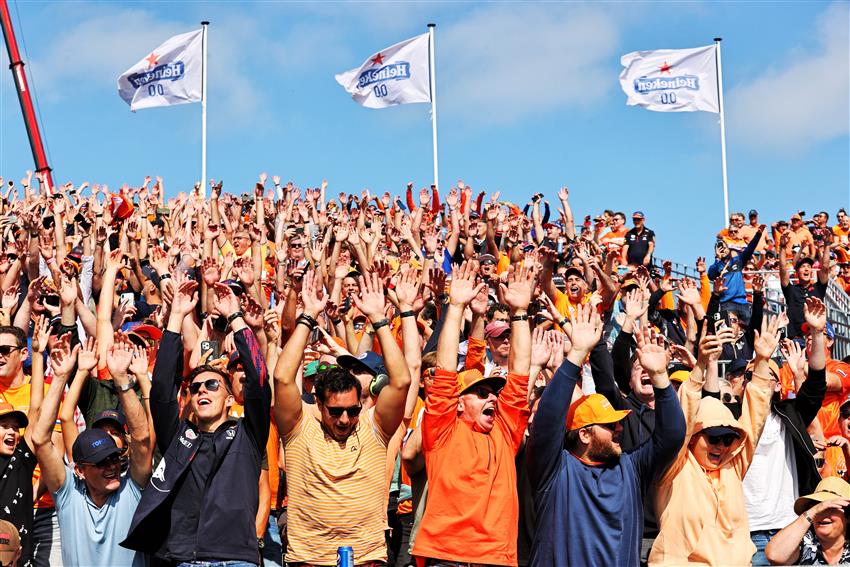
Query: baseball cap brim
column 19, row 415
column 496, row 381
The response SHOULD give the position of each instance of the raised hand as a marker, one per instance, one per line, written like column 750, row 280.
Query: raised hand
column 683, row 354
column 635, row 304
column 62, row 356
column 795, row 356
column 68, row 290
column 10, row 298
column 464, row 288
column 815, row 314
column 521, row 281
column 564, row 194
column 253, row 312
column 226, row 302
column 688, row 292
column 185, row 298
column 541, row 347
column 758, row 283
column 652, row 356
column 372, row 300
column 584, row 331
column 118, row 359
column 407, row 289
column 313, row 294
column 210, row 271
column 40, row 335
column 480, row 301
column 766, row 340
column 87, row 357
column 243, row 268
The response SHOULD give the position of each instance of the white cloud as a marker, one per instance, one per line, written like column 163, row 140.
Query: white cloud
column 92, row 52
column 503, row 63
column 804, row 99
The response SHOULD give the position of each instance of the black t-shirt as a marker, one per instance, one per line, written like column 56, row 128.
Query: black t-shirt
column 795, row 300
column 187, row 501
column 638, row 243
column 16, row 494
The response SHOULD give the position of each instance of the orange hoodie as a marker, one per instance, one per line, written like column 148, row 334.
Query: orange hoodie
column 472, row 510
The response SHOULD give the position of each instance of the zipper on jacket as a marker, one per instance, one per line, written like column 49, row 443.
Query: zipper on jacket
column 797, row 431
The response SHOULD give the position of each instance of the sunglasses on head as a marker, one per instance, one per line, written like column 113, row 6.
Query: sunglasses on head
column 727, row 439
column 324, row 366
column 352, row 411
column 6, row 350
column 211, row 385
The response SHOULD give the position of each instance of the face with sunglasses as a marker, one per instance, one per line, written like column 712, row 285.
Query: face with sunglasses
column 12, row 356
column 340, row 413
column 712, row 449
column 209, row 399
column 477, row 404
column 101, row 477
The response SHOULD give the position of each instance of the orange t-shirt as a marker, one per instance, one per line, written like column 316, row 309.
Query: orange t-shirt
column 613, row 241
column 829, row 411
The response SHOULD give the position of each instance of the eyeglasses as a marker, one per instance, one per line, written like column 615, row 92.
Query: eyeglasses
column 211, row 385
column 483, row 392
column 6, row 350
column 612, row 427
column 352, row 411
column 727, row 439
column 107, row 462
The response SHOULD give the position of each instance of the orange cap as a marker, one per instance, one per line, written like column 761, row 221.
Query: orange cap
column 469, row 378
column 591, row 409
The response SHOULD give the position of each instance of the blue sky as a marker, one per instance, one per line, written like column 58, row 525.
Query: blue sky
column 528, row 93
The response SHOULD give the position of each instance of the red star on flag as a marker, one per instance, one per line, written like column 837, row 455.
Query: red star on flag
column 665, row 68
column 378, row 59
column 152, row 60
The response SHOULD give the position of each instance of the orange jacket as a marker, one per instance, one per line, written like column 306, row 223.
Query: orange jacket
column 472, row 510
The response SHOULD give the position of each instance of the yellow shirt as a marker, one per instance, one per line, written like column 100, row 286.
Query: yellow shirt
column 337, row 492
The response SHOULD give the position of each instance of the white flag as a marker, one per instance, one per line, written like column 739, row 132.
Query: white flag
column 170, row 74
column 397, row 75
column 671, row 80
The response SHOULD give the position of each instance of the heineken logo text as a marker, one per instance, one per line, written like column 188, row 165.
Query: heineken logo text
column 168, row 71
column 393, row 71
column 645, row 85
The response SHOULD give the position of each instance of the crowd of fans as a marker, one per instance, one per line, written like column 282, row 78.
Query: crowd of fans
column 437, row 378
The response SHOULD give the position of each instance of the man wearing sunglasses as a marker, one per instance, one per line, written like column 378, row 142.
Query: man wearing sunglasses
column 472, row 431
column 202, row 500
column 583, row 480
column 95, row 502
column 336, row 461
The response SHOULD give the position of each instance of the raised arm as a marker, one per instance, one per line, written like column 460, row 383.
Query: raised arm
column 62, row 359
column 118, row 361
column 389, row 408
column 287, row 402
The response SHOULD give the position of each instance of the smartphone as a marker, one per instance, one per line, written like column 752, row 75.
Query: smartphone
column 213, row 346
column 128, row 298
column 163, row 211
column 52, row 300
column 346, row 305
column 315, row 336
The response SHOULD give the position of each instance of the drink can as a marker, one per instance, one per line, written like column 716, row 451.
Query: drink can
column 345, row 556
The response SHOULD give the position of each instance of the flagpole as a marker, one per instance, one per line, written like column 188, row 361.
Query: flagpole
column 433, row 101
column 717, row 41
column 204, row 111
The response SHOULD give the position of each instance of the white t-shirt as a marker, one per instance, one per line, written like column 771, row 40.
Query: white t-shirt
column 770, row 486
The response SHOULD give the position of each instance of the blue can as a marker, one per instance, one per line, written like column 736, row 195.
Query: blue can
column 345, row 556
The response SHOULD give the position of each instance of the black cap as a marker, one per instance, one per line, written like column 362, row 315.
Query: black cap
column 753, row 213
column 110, row 415
column 93, row 445
column 804, row 260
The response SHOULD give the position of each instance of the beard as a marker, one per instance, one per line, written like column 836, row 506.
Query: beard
column 604, row 451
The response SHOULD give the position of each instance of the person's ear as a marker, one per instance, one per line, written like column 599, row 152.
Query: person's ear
column 460, row 405
column 79, row 472
column 584, row 435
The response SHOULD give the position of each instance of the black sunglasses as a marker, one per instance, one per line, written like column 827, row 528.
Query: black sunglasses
column 727, row 439
column 612, row 427
column 107, row 462
column 6, row 350
column 352, row 411
column 211, row 385
column 483, row 392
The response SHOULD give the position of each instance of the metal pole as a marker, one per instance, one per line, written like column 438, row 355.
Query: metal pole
column 30, row 120
column 717, row 41
column 433, row 102
column 204, row 112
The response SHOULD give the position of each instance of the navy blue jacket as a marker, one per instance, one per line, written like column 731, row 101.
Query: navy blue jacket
column 733, row 279
column 225, row 530
column 593, row 515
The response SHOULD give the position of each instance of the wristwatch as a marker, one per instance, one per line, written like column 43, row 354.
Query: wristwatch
column 128, row 386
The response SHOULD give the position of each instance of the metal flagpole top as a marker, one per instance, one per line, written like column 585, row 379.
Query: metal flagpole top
column 432, row 25
column 205, row 23
column 718, row 39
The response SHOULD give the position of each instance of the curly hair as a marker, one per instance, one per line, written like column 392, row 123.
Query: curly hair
column 335, row 381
